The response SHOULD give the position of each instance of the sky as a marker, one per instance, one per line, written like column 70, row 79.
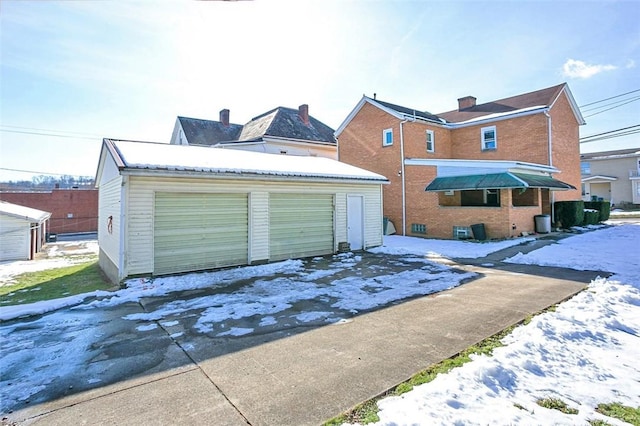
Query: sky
column 74, row 72
column 584, row 352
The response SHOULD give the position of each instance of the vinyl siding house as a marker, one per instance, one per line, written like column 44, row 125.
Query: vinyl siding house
column 278, row 131
column 612, row 176
column 22, row 231
column 167, row 209
column 498, row 164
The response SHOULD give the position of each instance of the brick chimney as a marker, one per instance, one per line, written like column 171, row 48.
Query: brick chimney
column 224, row 117
column 303, row 112
column 466, row 102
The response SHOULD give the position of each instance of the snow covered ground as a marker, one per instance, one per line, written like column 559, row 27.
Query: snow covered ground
column 585, row 353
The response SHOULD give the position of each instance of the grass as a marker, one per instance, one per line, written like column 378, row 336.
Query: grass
column 556, row 404
column 620, row 412
column 367, row 412
column 54, row 283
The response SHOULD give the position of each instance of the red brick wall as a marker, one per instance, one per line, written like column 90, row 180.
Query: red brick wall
column 81, row 203
column 566, row 148
column 360, row 144
column 518, row 139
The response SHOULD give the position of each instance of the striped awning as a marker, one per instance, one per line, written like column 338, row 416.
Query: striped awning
column 496, row 181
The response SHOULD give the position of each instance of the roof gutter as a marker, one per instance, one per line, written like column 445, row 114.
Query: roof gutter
column 242, row 175
column 498, row 118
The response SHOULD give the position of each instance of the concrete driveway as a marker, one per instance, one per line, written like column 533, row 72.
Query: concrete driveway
column 137, row 332
column 295, row 347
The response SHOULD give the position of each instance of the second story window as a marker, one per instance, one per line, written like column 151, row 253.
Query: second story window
column 489, row 138
column 585, row 168
column 387, row 137
column 431, row 141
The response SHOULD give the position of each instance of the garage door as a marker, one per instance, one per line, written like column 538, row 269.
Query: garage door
column 300, row 225
column 199, row 231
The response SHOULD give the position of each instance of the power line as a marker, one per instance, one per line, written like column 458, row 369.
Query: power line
column 612, row 97
column 617, row 106
column 49, row 134
column 609, row 104
column 625, row 131
column 50, row 130
column 41, row 173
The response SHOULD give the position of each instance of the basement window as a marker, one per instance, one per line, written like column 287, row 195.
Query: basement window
column 418, row 228
column 387, row 137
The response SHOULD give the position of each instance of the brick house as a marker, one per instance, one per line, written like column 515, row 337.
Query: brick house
column 499, row 163
column 72, row 210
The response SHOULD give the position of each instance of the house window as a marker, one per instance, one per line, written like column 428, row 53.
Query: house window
column 489, row 139
column 430, row 141
column 585, row 168
column 480, row 198
column 387, row 137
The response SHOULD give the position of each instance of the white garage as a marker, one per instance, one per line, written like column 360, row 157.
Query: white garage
column 22, row 231
column 167, row 209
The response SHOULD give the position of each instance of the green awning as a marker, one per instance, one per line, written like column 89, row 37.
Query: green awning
column 496, row 181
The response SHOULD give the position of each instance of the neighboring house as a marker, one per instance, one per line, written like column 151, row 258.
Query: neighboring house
column 279, row 131
column 22, row 231
column 168, row 209
column 72, row 210
column 499, row 163
column 611, row 176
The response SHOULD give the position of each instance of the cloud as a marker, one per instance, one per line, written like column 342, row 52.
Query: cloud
column 630, row 64
column 580, row 69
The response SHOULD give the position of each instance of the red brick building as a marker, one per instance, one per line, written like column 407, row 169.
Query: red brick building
column 499, row 163
column 72, row 210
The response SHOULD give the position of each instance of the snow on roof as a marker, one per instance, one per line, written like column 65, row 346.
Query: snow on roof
column 500, row 114
column 22, row 212
column 180, row 158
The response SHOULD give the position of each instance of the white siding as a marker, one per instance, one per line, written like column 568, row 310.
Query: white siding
column 259, row 226
column 109, row 206
column 341, row 218
column 140, row 210
column 15, row 238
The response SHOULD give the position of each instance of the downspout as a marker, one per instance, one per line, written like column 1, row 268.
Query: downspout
column 404, row 206
column 550, row 148
column 124, row 243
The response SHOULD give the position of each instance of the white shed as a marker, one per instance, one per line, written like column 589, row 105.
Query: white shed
column 22, row 231
column 167, row 209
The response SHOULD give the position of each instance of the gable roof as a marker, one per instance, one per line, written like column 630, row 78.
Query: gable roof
column 539, row 99
column 23, row 212
column 151, row 158
column 606, row 155
column 527, row 103
column 208, row 132
column 400, row 112
column 280, row 122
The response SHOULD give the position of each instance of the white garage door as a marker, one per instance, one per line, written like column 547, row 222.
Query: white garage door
column 300, row 225
column 199, row 231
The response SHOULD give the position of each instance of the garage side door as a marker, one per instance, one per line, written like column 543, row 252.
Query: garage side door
column 199, row 231
column 300, row 225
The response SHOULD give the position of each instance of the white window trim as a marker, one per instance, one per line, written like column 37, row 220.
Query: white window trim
column 433, row 141
column 484, row 142
column 384, row 137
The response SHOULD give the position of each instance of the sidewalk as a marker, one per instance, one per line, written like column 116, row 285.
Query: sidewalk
column 307, row 378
